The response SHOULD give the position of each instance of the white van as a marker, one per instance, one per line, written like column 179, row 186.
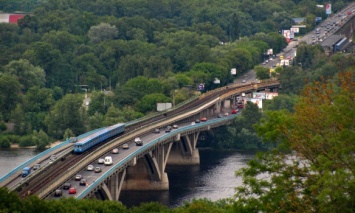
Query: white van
column 108, row 160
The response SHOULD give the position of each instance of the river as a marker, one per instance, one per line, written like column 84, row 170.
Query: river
column 213, row 179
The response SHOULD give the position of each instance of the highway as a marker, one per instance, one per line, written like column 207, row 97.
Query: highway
column 326, row 28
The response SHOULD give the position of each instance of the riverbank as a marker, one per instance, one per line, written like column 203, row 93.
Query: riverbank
column 17, row 146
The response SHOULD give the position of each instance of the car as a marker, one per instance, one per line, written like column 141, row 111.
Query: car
column 271, row 59
column 90, row 168
column 157, row 131
column 58, row 193
column 108, row 161
column 244, row 80
column 97, row 169
column 66, row 186
column 197, row 121
column 266, row 61
column 78, row 177
column 82, row 182
column 175, row 126
column 234, row 111
column 125, row 146
column 100, row 161
column 219, row 116
column 53, row 158
column 72, row 190
column 193, row 123
column 240, row 106
column 168, row 129
column 36, row 166
column 226, row 114
column 115, row 151
column 203, row 119
column 138, row 141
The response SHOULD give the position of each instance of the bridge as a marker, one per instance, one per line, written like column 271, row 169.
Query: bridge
column 139, row 167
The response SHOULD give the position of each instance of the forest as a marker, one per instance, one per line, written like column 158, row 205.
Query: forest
column 130, row 55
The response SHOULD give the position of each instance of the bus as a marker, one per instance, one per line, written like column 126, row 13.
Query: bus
column 281, row 57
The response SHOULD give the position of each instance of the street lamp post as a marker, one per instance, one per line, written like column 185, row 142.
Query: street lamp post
column 174, row 98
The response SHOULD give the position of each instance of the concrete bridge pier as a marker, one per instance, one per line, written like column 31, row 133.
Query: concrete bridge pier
column 148, row 173
column 184, row 151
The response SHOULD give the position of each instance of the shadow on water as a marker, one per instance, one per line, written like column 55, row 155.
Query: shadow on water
column 213, row 179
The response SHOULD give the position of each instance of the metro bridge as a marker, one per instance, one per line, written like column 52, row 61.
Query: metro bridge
column 139, row 167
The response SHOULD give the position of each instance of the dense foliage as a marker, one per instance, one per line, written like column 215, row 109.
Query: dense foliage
column 136, row 53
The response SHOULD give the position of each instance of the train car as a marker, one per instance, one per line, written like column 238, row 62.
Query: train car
column 98, row 137
column 341, row 44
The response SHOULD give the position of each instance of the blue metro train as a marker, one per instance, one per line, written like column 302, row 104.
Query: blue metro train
column 98, row 137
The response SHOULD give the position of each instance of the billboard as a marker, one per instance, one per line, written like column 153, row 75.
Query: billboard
column 295, row 29
column 257, row 101
column 163, row 106
column 259, row 95
column 201, row 87
column 328, row 9
column 286, row 33
column 271, row 95
column 233, row 71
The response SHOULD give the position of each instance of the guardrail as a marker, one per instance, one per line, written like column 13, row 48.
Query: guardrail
column 146, row 147
column 108, row 146
column 40, row 155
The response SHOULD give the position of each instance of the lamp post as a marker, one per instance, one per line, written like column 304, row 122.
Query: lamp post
column 174, row 98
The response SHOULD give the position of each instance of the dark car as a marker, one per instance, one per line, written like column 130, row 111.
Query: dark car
column 82, row 182
column 219, row 116
column 36, row 166
column 157, row 131
column 66, row 186
column 197, row 121
column 168, row 129
column 58, row 193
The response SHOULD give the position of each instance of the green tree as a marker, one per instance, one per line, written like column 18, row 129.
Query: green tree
column 149, row 102
column 262, row 72
column 318, row 174
column 102, row 32
column 9, row 94
column 65, row 114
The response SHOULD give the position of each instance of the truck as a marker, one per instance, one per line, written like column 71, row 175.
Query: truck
column 26, row 171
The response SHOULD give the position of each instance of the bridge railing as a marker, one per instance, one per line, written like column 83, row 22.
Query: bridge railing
column 145, row 148
column 107, row 147
column 40, row 155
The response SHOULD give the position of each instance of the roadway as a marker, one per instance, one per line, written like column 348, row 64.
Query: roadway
column 326, row 28
column 91, row 176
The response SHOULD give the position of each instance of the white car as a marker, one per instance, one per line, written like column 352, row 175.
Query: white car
column 125, row 146
column 193, row 123
column 101, row 161
column 115, row 151
column 90, row 167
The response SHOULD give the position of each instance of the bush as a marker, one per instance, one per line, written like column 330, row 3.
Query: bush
column 3, row 127
column 14, row 138
column 26, row 141
column 5, row 142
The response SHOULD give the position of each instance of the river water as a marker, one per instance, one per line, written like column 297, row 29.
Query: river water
column 213, row 179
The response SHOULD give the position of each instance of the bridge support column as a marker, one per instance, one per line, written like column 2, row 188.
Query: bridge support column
column 184, row 152
column 137, row 179
column 217, row 107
